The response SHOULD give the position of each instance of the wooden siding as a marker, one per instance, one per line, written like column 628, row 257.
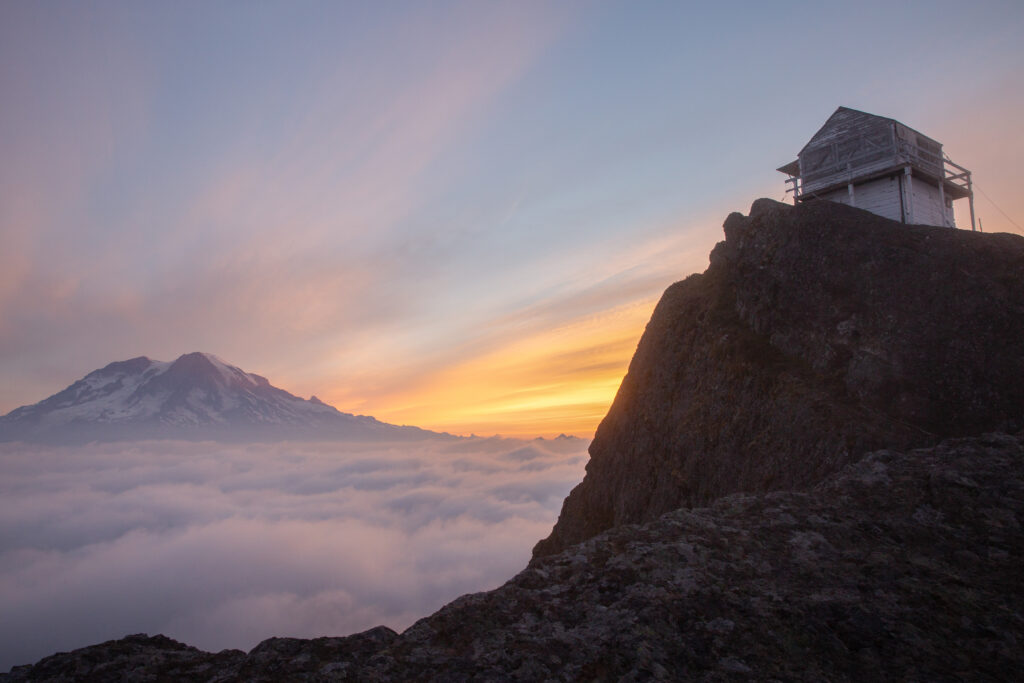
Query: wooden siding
column 842, row 176
column 881, row 197
column 928, row 207
column 854, row 145
column 922, row 152
column 842, row 124
column 849, row 146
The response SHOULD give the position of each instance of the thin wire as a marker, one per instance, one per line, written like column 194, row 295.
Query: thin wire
column 997, row 206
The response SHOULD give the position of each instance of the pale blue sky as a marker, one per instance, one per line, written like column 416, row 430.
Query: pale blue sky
column 355, row 198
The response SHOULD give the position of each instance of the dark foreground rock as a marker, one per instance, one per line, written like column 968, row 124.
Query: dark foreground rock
column 903, row 566
column 818, row 333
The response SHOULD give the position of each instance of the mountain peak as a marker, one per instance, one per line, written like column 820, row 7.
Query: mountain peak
column 132, row 365
column 205, row 369
column 196, row 396
column 199, row 357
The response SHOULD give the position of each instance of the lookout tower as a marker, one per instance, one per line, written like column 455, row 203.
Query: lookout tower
column 879, row 164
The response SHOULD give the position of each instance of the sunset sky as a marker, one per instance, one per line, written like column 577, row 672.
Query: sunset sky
column 453, row 215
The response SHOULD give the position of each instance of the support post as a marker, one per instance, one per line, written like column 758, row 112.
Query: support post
column 942, row 202
column 908, row 188
column 970, row 199
column 849, row 188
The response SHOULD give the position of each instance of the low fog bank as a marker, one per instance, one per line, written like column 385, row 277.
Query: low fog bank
column 221, row 546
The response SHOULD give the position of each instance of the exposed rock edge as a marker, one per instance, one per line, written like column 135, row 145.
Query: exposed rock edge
column 818, row 333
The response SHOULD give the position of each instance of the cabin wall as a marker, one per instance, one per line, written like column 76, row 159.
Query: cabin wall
column 843, row 175
column 881, row 196
column 929, row 209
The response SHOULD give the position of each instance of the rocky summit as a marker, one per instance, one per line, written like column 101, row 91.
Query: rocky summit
column 814, row 470
column 818, row 333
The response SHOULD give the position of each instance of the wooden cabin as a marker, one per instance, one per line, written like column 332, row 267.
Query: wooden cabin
column 879, row 164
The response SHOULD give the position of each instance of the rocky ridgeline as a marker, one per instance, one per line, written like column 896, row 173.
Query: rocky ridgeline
column 814, row 470
column 818, row 333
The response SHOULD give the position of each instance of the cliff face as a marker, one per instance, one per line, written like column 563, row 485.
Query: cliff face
column 817, row 333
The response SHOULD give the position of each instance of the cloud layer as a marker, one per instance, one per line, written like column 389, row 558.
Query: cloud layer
column 222, row 546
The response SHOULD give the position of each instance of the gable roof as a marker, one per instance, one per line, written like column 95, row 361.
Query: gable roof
column 840, row 122
column 844, row 118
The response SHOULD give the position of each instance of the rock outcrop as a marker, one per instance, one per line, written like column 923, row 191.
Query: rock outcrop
column 818, row 333
column 903, row 566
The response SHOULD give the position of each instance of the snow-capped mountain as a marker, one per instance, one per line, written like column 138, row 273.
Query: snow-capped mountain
column 197, row 396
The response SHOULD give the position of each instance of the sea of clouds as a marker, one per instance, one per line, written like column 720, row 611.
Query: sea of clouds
column 221, row 546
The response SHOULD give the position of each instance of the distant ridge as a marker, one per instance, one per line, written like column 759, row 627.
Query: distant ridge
column 196, row 397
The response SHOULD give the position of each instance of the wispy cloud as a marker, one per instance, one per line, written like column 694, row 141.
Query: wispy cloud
column 291, row 227
column 365, row 201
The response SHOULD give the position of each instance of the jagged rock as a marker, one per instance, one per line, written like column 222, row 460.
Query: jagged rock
column 903, row 566
column 817, row 333
column 137, row 657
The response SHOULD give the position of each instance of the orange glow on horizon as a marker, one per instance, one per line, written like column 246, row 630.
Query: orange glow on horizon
column 555, row 381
